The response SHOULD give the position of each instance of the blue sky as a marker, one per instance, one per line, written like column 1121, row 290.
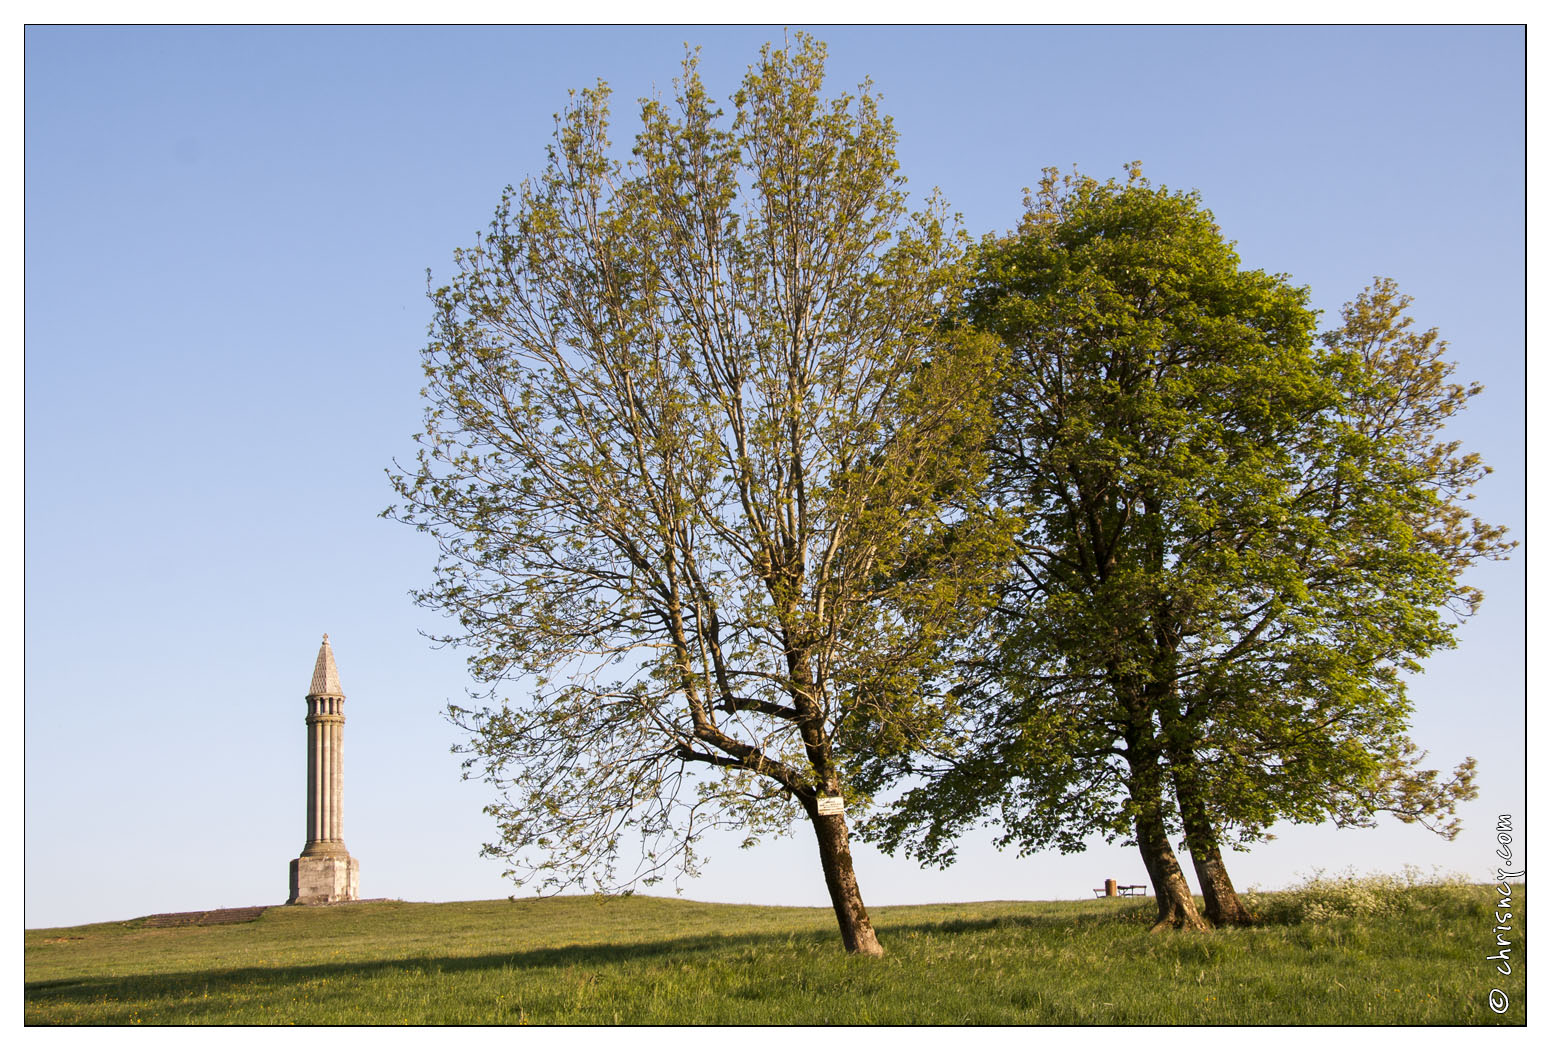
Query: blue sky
column 227, row 238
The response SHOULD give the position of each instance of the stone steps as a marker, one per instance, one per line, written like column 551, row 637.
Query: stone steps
column 209, row 918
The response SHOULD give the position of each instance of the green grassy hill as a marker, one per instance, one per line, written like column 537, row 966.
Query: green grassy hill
column 640, row 959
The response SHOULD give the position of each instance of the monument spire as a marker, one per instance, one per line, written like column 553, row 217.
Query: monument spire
column 325, row 676
column 325, row 872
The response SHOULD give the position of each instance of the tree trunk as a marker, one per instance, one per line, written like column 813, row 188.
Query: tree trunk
column 1176, row 907
column 830, row 829
column 835, row 854
column 1223, row 907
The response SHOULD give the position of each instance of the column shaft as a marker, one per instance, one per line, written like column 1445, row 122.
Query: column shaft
column 324, row 833
column 339, row 781
column 312, row 782
column 323, row 780
column 325, row 776
column 326, row 804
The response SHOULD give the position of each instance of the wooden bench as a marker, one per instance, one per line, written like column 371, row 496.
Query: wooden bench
column 1127, row 890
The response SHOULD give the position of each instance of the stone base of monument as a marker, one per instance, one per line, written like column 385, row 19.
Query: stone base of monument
column 324, row 880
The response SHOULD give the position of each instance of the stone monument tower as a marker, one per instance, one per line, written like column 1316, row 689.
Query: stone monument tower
column 325, row 872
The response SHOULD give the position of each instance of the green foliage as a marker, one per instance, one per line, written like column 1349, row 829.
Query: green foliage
column 689, row 416
column 653, row 961
column 1237, row 539
column 1400, row 400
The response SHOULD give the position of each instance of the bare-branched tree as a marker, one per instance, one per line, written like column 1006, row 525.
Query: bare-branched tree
column 700, row 454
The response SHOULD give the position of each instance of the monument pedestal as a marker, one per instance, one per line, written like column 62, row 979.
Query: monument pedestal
column 324, row 880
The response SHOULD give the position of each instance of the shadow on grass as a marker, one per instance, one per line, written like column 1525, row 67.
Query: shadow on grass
column 214, row 983
column 1129, row 914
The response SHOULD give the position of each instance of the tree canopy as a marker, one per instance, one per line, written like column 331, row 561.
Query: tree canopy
column 1237, row 538
column 696, row 432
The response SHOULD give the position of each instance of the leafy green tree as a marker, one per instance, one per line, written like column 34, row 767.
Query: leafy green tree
column 1237, row 540
column 687, row 418
column 1305, row 717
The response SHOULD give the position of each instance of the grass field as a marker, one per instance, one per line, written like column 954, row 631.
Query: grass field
column 637, row 960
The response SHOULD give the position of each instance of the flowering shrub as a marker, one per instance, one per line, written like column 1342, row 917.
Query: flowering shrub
column 1322, row 897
